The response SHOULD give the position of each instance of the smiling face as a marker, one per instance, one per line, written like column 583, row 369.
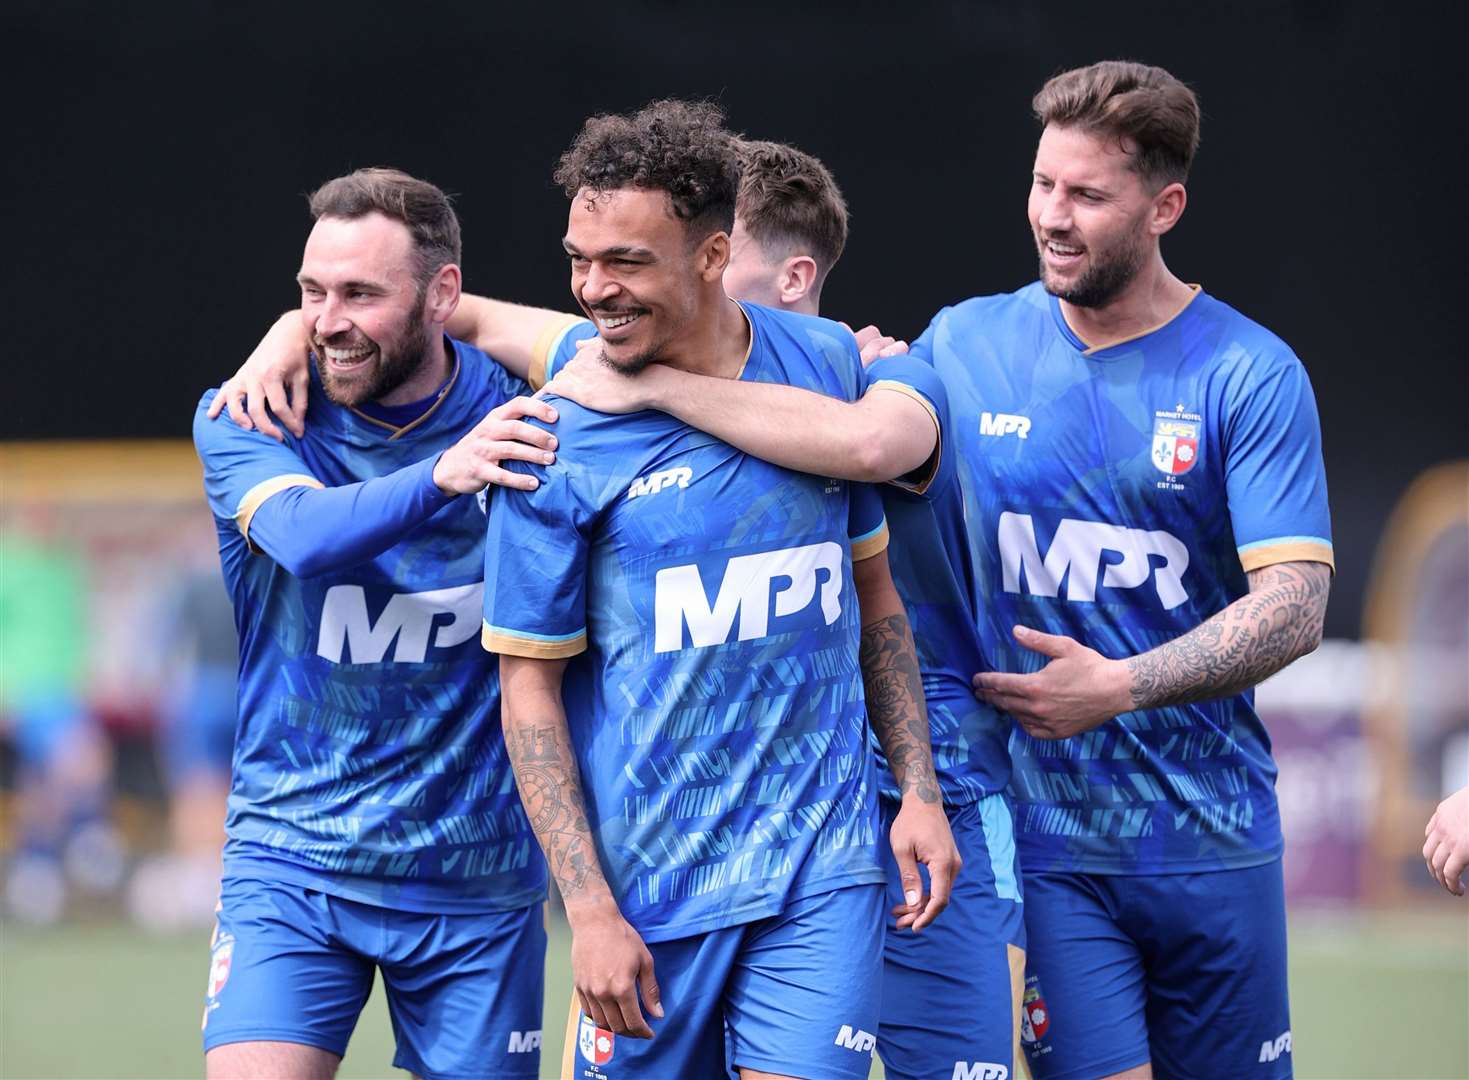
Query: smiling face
column 635, row 274
column 362, row 306
column 1091, row 216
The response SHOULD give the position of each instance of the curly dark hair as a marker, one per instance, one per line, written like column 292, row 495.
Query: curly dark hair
column 678, row 147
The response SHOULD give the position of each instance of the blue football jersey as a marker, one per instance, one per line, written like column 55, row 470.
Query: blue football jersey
column 1118, row 495
column 934, row 571
column 368, row 760
column 715, row 699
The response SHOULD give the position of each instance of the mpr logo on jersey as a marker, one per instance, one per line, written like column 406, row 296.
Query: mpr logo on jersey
column 1176, row 440
column 595, row 1044
column 451, row 616
column 810, row 585
column 1002, row 424
column 654, row 482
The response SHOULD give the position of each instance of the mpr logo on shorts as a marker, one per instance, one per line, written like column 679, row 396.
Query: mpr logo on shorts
column 595, row 1044
column 856, row 1039
column 980, row 1070
column 1271, row 1050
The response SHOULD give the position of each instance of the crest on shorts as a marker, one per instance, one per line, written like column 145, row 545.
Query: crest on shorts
column 595, row 1043
column 1176, row 440
column 219, row 964
column 1035, row 1018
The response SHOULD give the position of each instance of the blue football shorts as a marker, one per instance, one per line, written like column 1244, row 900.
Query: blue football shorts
column 795, row 993
column 464, row 991
column 951, row 993
column 1184, row 970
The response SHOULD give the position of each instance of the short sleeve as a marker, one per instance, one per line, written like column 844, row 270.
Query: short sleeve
column 556, row 345
column 919, row 381
column 1274, row 473
column 867, row 527
column 243, row 468
column 536, row 546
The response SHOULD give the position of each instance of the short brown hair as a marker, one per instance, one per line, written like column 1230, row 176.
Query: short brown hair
column 419, row 205
column 678, row 147
column 789, row 199
column 1133, row 103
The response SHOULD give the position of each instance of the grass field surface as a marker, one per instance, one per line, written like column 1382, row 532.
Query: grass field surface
column 1370, row 997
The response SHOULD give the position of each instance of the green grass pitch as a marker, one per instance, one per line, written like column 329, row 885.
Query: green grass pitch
column 1370, row 997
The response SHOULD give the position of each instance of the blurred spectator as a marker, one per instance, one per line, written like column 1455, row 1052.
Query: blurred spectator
column 63, row 761
column 200, row 650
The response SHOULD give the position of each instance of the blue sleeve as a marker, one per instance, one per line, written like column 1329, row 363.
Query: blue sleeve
column 312, row 531
column 867, row 527
column 536, row 545
column 918, row 380
column 1274, row 474
column 922, row 347
column 283, row 511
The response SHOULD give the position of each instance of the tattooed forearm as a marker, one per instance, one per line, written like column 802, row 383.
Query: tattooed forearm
column 895, row 704
column 545, row 771
column 1279, row 620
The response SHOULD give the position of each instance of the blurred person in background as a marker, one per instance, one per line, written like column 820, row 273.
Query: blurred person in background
column 200, row 653
column 64, row 836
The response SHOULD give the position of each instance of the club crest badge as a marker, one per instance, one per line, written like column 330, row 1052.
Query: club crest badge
column 1035, row 1019
column 1176, row 437
column 596, row 1044
column 219, row 965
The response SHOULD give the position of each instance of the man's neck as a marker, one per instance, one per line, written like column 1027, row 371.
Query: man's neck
column 1151, row 299
column 718, row 346
column 438, row 362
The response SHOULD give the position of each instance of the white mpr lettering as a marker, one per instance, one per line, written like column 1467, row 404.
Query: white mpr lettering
column 856, row 1039
column 408, row 618
column 980, row 1070
column 1075, row 555
column 679, row 596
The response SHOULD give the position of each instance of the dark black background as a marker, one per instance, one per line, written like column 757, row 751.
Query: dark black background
column 157, row 154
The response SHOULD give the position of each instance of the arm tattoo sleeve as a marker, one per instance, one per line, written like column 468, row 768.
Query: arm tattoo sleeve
column 1279, row 620
column 550, row 788
column 896, row 706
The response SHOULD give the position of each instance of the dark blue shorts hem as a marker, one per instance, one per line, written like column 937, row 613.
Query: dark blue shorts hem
column 260, row 1034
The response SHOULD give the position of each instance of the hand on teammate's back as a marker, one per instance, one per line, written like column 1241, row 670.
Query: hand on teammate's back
column 1076, row 691
column 1446, row 851
column 272, row 383
column 874, row 344
column 611, row 967
column 474, row 461
column 921, row 834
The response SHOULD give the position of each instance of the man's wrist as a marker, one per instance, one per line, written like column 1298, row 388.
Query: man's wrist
column 590, row 907
column 1121, row 696
column 659, row 385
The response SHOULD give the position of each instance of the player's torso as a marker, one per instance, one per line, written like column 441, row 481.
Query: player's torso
column 718, row 712
column 1095, row 495
column 369, row 750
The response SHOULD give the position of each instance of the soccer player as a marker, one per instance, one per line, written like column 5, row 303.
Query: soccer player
column 678, row 641
column 1147, row 501
column 373, row 821
column 951, row 994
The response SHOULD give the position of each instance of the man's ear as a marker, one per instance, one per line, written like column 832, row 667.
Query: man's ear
column 713, row 256
column 797, row 278
column 1168, row 207
column 442, row 295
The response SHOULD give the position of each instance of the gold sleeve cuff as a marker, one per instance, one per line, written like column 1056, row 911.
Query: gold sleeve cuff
column 1291, row 551
column 920, row 478
column 257, row 495
column 540, row 352
column 874, row 544
column 498, row 641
